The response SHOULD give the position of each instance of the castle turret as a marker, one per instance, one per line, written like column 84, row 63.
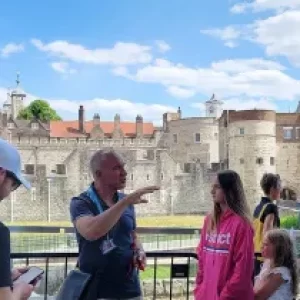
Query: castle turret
column 213, row 107
column 170, row 116
column 252, row 147
column 17, row 99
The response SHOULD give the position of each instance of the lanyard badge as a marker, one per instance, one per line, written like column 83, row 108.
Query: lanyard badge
column 107, row 245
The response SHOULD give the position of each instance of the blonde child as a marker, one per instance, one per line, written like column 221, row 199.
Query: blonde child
column 278, row 278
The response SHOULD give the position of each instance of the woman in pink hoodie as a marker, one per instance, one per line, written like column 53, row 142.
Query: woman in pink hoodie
column 226, row 251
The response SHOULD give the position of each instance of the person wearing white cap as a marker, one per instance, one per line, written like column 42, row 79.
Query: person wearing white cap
column 10, row 179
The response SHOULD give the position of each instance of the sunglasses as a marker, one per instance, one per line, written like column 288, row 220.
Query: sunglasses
column 14, row 179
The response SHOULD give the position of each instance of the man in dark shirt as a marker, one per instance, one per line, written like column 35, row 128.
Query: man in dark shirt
column 10, row 180
column 265, row 215
column 105, row 225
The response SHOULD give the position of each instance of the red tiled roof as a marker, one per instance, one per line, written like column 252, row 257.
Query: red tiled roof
column 69, row 129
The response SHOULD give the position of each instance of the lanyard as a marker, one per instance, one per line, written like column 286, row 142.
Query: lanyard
column 96, row 200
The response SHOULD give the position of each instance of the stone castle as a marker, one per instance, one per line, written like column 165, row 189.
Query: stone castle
column 182, row 156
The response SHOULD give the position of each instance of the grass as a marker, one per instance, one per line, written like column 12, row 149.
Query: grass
column 163, row 271
column 171, row 221
column 289, row 222
column 25, row 242
column 40, row 223
column 153, row 221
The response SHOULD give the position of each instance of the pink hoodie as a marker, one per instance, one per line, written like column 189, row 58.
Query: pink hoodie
column 226, row 260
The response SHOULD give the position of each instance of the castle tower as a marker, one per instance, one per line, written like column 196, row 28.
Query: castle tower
column 7, row 105
column 298, row 108
column 213, row 107
column 17, row 97
column 252, row 148
column 170, row 116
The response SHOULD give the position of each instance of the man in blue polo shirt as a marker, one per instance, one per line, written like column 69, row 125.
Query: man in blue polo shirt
column 105, row 225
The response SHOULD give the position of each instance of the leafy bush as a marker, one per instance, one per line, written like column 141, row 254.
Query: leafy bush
column 289, row 222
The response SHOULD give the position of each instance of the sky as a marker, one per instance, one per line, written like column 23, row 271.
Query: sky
column 150, row 57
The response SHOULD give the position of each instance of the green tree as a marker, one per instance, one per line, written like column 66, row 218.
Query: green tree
column 39, row 109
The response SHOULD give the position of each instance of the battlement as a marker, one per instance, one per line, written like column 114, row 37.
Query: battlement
column 105, row 142
column 249, row 115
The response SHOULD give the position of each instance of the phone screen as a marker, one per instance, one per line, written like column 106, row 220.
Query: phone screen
column 30, row 275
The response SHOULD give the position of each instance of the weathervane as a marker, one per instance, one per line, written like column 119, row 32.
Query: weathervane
column 18, row 78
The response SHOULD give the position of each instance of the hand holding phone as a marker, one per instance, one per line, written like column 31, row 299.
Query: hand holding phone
column 30, row 276
column 22, row 290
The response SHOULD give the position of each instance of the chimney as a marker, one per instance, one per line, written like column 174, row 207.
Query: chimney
column 139, row 126
column 117, row 121
column 179, row 113
column 4, row 119
column 81, row 119
column 165, row 122
column 96, row 120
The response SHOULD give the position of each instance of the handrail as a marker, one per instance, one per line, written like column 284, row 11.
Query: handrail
column 151, row 254
column 141, row 230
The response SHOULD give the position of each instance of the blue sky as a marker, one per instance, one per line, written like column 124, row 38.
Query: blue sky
column 148, row 57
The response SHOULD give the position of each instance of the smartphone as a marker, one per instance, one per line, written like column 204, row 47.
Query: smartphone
column 30, row 276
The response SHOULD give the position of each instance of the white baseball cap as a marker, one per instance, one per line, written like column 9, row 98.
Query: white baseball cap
column 10, row 161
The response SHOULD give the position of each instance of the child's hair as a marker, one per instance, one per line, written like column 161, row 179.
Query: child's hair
column 232, row 186
column 284, row 254
column 268, row 181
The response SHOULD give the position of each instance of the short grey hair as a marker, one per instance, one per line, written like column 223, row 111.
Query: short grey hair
column 99, row 156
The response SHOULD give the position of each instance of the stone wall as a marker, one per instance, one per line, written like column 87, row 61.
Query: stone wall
column 252, row 152
column 288, row 165
column 51, row 192
column 193, row 192
column 182, row 142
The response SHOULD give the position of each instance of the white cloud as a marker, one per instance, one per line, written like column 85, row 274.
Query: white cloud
column 280, row 35
column 62, row 67
column 179, row 92
column 228, row 34
column 120, row 54
column 162, row 46
column 240, row 8
column 231, row 44
column 263, row 5
column 107, row 108
column 198, row 105
column 231, row 78
column 120, row 71
column 246, row 65
column 11, row 48
column 128, row 110
column 242, row 104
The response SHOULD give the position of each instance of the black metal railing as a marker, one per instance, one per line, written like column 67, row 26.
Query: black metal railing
column 62, row 239
column 169, row 275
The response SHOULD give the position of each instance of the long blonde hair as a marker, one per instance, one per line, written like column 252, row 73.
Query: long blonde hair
column 284, row 254
column 232, row 187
